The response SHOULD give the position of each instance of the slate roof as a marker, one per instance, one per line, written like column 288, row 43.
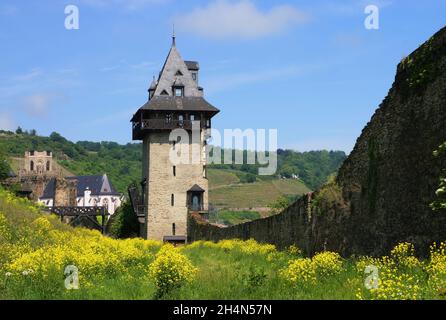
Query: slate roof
column 49, row 191
column 169, row 103
column 196, row 188
column 192, row 65
column 162, row 96
column 99, row 186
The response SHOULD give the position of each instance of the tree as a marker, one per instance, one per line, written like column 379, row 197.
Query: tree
column 19, row 130
column 56, row 137
column 33, row 132
column 281, row 204
column 124, row 223
column 440, row 203
column 5, row 169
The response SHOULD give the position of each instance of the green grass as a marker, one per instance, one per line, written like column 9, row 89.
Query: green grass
column 218, row 178
column 228, row 270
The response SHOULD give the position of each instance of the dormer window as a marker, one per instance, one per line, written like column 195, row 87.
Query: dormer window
column 178, row 91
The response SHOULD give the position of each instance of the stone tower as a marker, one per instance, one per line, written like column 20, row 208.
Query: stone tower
column 173, row 189
column 38, row 162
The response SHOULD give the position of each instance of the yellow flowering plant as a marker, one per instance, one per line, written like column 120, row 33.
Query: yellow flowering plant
column 170, row 270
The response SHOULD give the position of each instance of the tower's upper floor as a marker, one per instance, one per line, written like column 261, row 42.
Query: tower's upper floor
column 175, row 99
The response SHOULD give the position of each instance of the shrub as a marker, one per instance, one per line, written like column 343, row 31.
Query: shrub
column 437, row 267
column 299, row 271
column 327, row 263
column 124, row 223
column 440, row 203
column 328, row 196
column 171, row 270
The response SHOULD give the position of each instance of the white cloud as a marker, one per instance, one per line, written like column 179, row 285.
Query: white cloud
column 38, row 105
column 34, row 73
column 240, row 19
column 6, row 122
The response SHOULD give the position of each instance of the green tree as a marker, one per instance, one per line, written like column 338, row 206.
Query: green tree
column 5, row 169
column 124, row 223
column 19, row 130
column 281, row 204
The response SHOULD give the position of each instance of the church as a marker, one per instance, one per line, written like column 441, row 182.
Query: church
column 82, row 191
column 172, row 192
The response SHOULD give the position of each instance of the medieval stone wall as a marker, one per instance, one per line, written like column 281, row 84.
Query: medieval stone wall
column 293, row 226
column 386, row 183
column 65, row 193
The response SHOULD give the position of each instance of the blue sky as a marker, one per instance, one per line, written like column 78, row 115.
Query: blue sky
column 308, row 68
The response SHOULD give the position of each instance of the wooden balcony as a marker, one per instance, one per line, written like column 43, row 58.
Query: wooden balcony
column 139, row 128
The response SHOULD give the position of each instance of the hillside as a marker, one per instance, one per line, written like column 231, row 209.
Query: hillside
column 17, row 163
column 226, row 191
column 122, row 163
column 232, row 186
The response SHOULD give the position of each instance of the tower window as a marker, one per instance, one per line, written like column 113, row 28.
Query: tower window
column 194, row 76
column 173, row 229
column 172, row 200
column 179, row 73
column 164, row 93
column 174, row 171
column 31, row 166
column 48, row 167
column 178, row 92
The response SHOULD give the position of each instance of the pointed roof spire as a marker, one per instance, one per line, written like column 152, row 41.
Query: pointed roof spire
column 173, row 36
column 153, row 84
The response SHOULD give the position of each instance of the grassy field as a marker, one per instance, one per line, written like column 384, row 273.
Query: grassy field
column 220, row 178
column 36, row 250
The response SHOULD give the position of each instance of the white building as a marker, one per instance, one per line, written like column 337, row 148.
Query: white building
column 92, row 191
